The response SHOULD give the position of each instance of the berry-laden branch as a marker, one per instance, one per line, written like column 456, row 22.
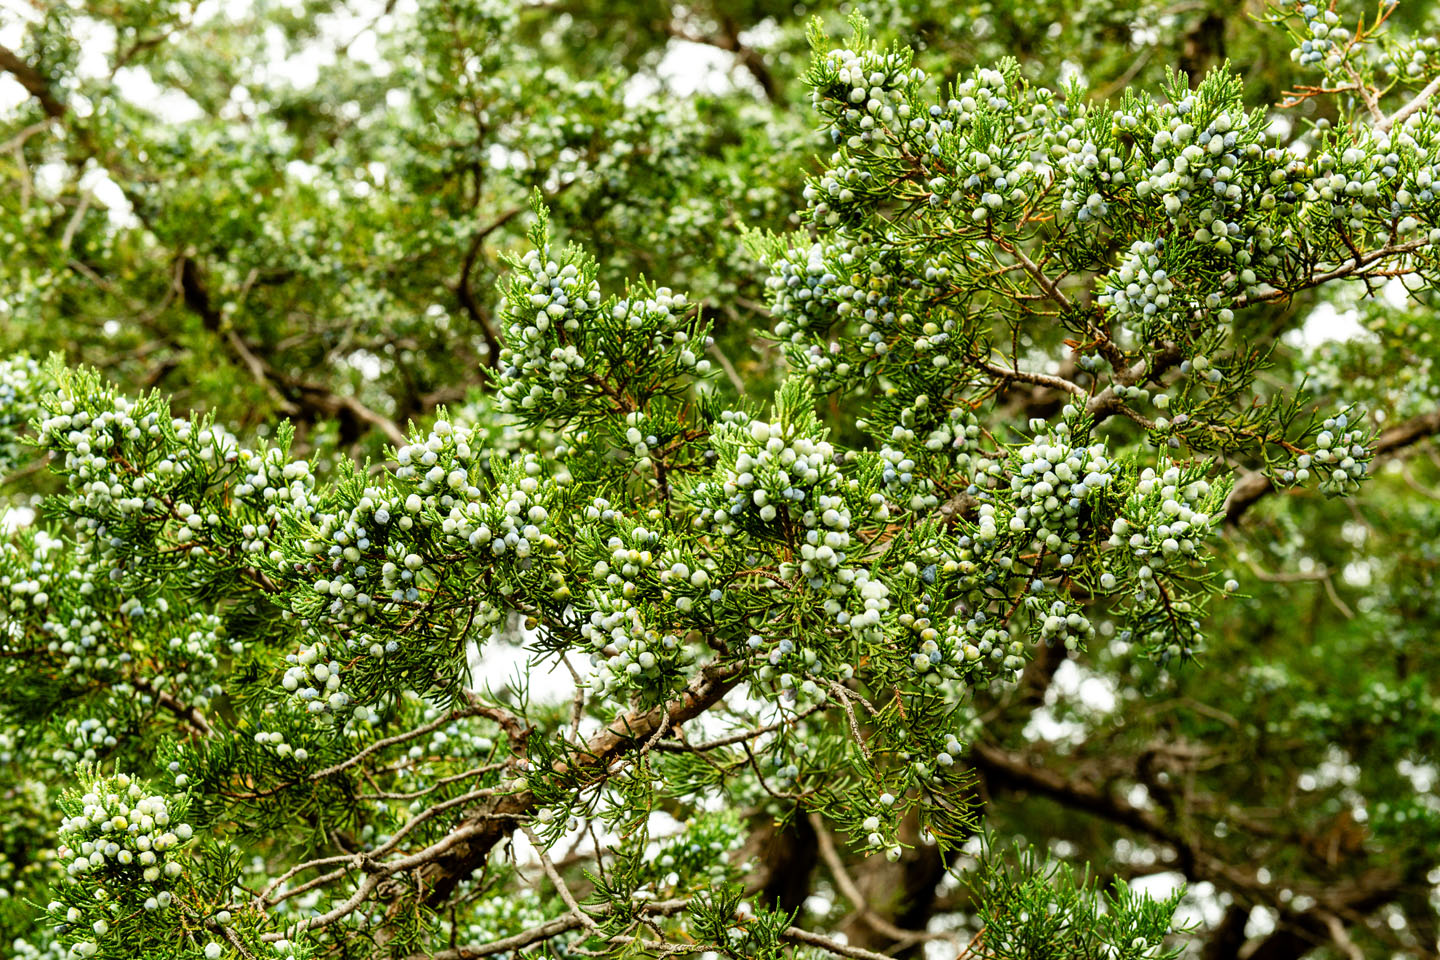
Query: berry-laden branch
column 774, row 610
column 1253, row 487
column 482, row 829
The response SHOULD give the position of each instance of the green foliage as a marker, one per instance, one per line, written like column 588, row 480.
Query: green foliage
column 683, row 623
column 1033, row 909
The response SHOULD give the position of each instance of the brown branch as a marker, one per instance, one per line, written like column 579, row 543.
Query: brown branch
column 1000, row 765
column 667, row 746
column 1300, row 933
column 545, row 931
column 486, row 827
column 561, row 887
column 34, row 82
column 1255, row 485
column 1366, row 892
column 464, row 290
column 1228, row 936
column 1106, row 402
column 1038, row 275
column 19, row 140
column 830, row 945
column 309, row 397
column 292, row 395
column 466, row 293
column 828, row 853
column 1403, row 114
column 191, row 715
column 1346, row 269
column 1030, row 376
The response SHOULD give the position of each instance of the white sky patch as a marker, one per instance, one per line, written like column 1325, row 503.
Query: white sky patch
column 1358, row 573
column 689, row 68
column 1422, row 775
column 15, row 16
column 640, row 88
column 96, row 41
column 762, row 36
column 50, row 178
column 1071, row 682
column 1075, row 682
column 1261, row 923
column 1043, row 725
column 661, row 827
column 353, row 28
column 1279, row 126
column 494, row 663
column 1159, row 885
column 301, row 70
column 500, row 157
column 16, row 517
column 1395, row 292
column 1097, row 693
column 685, row 70
column 302, row 171
column 117, row 205
column 208, row 10
column 1070, row 70
column 167, row 104
column 1202, row 902
column 12, row 95
column 1326, row 323
column 369, row 365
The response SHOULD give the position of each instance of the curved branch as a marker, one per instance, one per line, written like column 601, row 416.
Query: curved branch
column 1030, row 376
column 1367, row 891
column 1351, row 267
column 903, row 938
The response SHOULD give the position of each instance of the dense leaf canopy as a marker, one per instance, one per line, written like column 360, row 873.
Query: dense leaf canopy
column 732, row 479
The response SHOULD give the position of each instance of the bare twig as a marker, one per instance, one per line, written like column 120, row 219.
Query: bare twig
column 561, row 887
column 903, row 938
column 831, row 945
column 539, row 933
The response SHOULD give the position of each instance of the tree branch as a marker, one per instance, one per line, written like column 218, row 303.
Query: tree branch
column 537, row 934
column 484, row 828
column 843, row 880
column 34, row 82
column 1403, row 114
column 463, row 290
column 309, row 396
column 1349, row 268
column 292, row 395
column 1364, row 893
column 1030, row 376
column 1255, row 485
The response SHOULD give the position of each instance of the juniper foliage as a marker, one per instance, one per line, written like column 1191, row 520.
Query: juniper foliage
column 1018, row 383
